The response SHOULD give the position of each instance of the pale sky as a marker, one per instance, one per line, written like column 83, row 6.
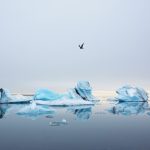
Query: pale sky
column 39, row 43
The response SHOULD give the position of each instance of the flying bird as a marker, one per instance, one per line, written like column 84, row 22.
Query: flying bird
column 81, row 46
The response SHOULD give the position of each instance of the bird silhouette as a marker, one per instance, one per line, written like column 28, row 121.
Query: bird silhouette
column 81, row 46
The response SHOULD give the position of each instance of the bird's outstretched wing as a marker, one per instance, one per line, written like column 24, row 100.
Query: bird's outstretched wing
column 82, row 44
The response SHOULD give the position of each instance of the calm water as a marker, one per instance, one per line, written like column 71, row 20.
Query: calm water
column 105, row 126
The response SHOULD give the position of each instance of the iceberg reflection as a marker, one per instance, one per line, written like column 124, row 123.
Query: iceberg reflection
column 3, row 110
column 33, row 111
column 130, row 108
column 83, row 113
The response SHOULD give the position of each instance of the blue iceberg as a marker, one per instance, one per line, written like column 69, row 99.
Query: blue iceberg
column 7, row 97
column 84, row 90
column 80, row 95
column 45, row 94
column 129, row 93
column 72, row 94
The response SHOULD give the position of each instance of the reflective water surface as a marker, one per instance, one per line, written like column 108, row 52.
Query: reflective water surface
column 109, row 125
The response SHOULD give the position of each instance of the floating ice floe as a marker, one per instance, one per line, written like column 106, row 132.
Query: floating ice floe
column 7, row 97
column 33, row 111
column 130, row 108
column 58, row 123
column 129, row 94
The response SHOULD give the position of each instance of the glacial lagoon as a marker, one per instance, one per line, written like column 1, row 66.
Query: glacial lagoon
column 107, row 125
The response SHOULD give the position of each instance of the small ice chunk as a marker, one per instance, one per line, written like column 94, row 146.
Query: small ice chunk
column 58, row 123
column 64, row 121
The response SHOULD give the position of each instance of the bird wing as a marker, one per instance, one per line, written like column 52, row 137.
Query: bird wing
column 82, row 44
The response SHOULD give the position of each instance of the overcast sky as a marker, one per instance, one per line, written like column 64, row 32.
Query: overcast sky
column 39, row 43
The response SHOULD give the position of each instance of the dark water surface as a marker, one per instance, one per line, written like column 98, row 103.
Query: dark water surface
column 105, row 126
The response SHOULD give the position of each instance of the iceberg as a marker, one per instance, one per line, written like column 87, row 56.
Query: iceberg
column 80, row 95
column 84, row 90
column 45, row 94
column 47, row 97
column 130, row 108
column 129, row 93
column 72, row 94
column 33, row 111
column 7, row 97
